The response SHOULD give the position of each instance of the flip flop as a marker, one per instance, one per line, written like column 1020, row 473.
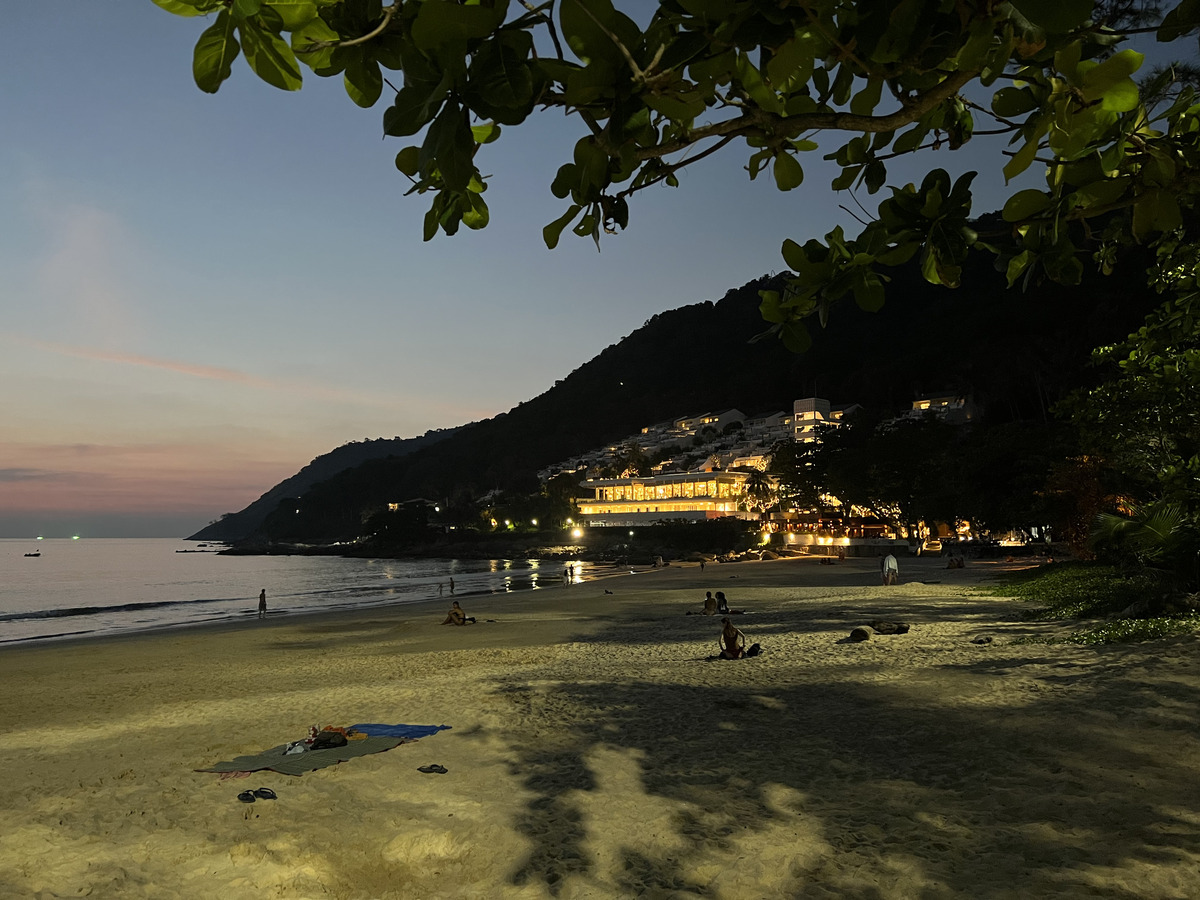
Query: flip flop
column 440, row 770
column 246, row 796
column 265, row 794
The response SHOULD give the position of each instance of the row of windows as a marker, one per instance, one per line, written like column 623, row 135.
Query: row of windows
column 594, row 509
column 637, row 491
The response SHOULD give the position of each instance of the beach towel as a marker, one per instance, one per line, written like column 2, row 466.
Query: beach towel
column 299, row 763
column 408, row 732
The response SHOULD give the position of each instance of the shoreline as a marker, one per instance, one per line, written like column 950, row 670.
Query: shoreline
column 283, row 616
column 595, row 752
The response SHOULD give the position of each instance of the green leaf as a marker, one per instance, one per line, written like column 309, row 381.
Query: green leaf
column 439, row 23
column 565, row 181
column 843, row 84
column 846, row 179
column 186, row 8
column 244, row 9
column 1010, row 102
column 910, row 140
column 449, row 141
column 1019, row 264
column 214, row 55
column 1155, row 211
column 770, row 309
column 788, row 172
column 485, row 133
column 868, row 292
column 414, row 108
column 865, row 101
column 590, row 27
column 591, row 162
column 792, row 64
column 1024, row 205
column 676, row 107
column 293, row 13
column 501, row 76
column 1103, row 192
column 1021, row 161
column 363, row 80
column 794, row 255
column 757, row 89
column 408, row 161
column 1056, row 16
column 1182, row 20
column 1110, row 81
column 270, row 57
column 476, row 216
column 875, row 176
column 795, row 336
column 315, row 31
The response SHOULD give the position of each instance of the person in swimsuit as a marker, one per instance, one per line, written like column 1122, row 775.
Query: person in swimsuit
column 456, row 616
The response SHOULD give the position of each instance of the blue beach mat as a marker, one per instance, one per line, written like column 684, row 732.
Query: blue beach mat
column 379, row 738
column 408, row 732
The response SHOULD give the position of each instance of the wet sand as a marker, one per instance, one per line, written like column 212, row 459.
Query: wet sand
column 595, row 751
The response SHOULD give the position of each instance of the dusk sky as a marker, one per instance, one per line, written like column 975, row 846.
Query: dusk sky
column 201, row 293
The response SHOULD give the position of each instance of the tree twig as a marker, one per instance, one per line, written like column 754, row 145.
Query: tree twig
column 388, row 12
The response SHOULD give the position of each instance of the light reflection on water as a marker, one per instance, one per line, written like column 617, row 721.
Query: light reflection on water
column 108, row 586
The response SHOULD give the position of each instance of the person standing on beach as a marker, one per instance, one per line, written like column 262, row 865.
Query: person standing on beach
column 890, row 569
column 262, row 603
column 452, row 585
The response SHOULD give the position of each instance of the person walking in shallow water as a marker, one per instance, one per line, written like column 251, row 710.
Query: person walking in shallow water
column 262, row 603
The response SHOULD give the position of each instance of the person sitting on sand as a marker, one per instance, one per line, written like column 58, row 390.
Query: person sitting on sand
column 732, row 642
column 723, row 606
column 456, row 616
column 710, row 605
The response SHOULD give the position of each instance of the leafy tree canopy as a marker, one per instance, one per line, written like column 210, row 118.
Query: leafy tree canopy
column 865, row 82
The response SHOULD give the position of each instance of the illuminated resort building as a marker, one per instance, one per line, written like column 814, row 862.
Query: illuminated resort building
column 812, row 414
column 690, row 496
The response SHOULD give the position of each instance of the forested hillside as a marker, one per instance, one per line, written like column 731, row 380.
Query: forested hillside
column 235, row 526
column 1017, row 352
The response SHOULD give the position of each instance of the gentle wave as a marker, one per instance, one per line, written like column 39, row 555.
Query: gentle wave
column 96, row 610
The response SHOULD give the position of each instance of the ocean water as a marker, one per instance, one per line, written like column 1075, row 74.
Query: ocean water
column 87, row 587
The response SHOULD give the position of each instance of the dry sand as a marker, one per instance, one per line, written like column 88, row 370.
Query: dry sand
column 596, row 753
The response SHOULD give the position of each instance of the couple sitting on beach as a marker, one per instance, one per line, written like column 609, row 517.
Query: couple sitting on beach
column 456, row 616
column 717, row 606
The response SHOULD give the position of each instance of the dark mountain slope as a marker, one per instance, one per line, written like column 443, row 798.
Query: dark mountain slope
column 1017, row 352
column 235, row 526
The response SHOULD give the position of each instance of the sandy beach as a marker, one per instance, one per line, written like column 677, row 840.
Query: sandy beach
column 595, row 751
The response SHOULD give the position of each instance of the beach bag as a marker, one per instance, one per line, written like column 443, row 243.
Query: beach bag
column 326, row 740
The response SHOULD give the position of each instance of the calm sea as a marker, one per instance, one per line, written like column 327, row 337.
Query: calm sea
column 78, row 588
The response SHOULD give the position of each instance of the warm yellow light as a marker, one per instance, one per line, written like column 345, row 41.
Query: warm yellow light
column 578, row 532
column 533, row 521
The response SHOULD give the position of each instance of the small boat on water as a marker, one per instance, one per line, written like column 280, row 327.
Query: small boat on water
column 35, row 553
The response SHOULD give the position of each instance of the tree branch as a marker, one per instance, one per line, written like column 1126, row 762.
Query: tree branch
column 388, row 12
column 758, row 121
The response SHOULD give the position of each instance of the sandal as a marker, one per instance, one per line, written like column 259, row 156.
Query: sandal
column 265, row 794
column 440, row 770
column 246, row 796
